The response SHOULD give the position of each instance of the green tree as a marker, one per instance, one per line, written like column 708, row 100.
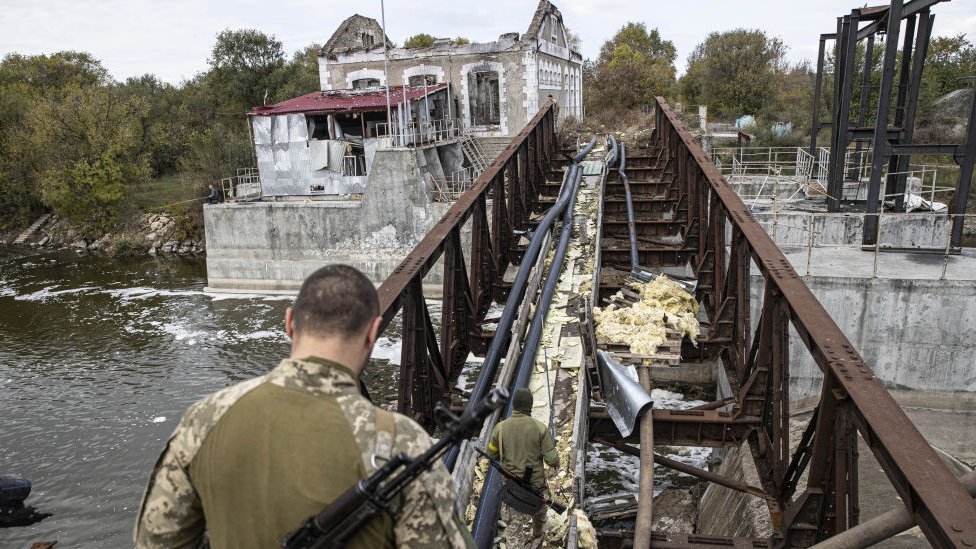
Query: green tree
column 949, row 61
column 24, row 80
column 422, row 40
column 633, row 67
column 300, row 75
column 461, row 41
column 244, row 65
column 735, row 72
column 91, row 140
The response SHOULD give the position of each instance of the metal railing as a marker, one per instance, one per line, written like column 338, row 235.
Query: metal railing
column 451, row 187
column 472, row 268
column 413, row 134
column 820, row 232
column 726, row 242
column 246, row 185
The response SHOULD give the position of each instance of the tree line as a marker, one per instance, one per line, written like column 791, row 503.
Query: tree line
column 743, row 72
column 77, row 142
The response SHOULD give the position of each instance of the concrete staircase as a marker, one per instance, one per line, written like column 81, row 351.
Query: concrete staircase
column 32, row 229
column 493, row 146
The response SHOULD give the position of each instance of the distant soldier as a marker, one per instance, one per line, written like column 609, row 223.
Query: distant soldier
column 521, row 442
column 248, row 464
column 555, row 107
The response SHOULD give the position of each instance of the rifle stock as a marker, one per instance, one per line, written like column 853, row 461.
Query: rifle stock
column 523, row 482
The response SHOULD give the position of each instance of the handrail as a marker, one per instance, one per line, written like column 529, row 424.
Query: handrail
column 942, row 508
column 425, row 370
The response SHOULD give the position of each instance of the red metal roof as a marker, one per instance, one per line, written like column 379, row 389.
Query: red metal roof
column 370, row 99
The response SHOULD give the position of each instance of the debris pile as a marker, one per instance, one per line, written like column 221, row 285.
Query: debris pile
column 661, row 304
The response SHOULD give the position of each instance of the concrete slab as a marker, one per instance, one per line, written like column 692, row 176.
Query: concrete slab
column 858, row 263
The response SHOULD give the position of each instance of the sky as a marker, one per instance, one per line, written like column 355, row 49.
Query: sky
column 173, row 38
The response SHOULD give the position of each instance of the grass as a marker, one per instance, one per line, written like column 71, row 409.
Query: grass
column 159, row 193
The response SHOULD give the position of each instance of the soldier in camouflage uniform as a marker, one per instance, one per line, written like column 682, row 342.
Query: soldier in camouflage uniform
column 248, row 464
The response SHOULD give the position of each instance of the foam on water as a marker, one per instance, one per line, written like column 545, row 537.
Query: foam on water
column 49, row 292
column 387, row 349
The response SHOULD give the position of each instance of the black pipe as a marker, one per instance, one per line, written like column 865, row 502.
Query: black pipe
column 631, row 227
column 612, row 161
column 486, row 517
column 499, row 343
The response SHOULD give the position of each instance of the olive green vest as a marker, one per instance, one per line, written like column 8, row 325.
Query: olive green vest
column 277, row 457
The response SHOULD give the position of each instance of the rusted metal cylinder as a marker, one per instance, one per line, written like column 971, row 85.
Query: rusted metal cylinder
column 645, row 493
column 885, row 525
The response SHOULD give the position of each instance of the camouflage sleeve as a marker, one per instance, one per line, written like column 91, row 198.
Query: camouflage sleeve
column 426, row 515
column 492, row 449
column 170, row 514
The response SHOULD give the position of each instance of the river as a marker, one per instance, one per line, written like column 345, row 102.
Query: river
column 100, row 357
column 98, row 360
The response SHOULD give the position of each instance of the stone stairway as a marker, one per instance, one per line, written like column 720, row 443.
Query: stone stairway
column 32, row 229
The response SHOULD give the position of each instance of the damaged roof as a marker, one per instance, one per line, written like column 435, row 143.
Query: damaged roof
column 545, row 8
column 334, row 101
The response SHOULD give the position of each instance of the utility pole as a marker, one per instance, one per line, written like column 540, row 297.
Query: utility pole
column 386, row 74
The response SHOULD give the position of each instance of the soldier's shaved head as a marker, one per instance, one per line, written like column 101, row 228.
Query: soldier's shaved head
column 336, row 300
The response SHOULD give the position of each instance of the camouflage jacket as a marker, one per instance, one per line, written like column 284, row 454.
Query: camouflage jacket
column 248, row 464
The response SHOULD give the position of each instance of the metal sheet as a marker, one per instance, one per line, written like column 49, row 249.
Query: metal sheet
column 625, row 398
column 297, row 128
column 262, row 130
column 279, row 129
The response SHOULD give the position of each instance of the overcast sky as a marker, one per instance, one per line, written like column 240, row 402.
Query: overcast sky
column 172, row 38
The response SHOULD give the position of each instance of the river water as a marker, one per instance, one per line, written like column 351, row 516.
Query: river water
column 98, row 360
column 100, row 357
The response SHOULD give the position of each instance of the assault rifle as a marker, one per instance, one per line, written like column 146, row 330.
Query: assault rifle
column 357, row 506
column 523, row 482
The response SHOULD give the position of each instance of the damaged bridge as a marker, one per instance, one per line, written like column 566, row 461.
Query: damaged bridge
column 559, row 235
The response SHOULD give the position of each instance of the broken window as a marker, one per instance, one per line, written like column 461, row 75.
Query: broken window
column 367, row 39
column 483, row 98
column 421, row 79
column 365, row 83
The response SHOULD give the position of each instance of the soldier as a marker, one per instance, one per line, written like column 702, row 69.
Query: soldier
column 248, row 464
column 520, row 442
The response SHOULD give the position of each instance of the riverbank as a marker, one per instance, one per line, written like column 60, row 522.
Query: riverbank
column 146, row 234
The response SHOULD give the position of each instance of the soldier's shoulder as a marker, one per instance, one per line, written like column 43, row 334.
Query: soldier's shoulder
column 410, row 436
column 202, row 415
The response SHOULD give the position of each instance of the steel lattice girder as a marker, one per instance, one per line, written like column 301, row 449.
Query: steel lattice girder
column 428, row 370
column 943, row 509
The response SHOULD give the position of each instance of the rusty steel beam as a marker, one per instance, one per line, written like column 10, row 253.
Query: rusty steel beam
column 429, row 368
column 705, row 428
column 613, row 538
column 941, row 506
column 691, row 470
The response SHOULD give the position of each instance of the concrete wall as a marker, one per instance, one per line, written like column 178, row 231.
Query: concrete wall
column 914, row 334
column 793, row 228
column 273, row 246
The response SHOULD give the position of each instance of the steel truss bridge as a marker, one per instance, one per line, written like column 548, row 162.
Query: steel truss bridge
column 481, row 238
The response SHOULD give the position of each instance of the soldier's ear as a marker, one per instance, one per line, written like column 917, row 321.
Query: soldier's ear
column 373, row 332
column 290, row 323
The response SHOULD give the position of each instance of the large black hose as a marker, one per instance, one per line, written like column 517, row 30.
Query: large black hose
column 499, row 344
column 631, row 227
column 612, row 161
column 486, row 516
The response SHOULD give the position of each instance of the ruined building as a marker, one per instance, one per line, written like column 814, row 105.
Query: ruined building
column 496, row 87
